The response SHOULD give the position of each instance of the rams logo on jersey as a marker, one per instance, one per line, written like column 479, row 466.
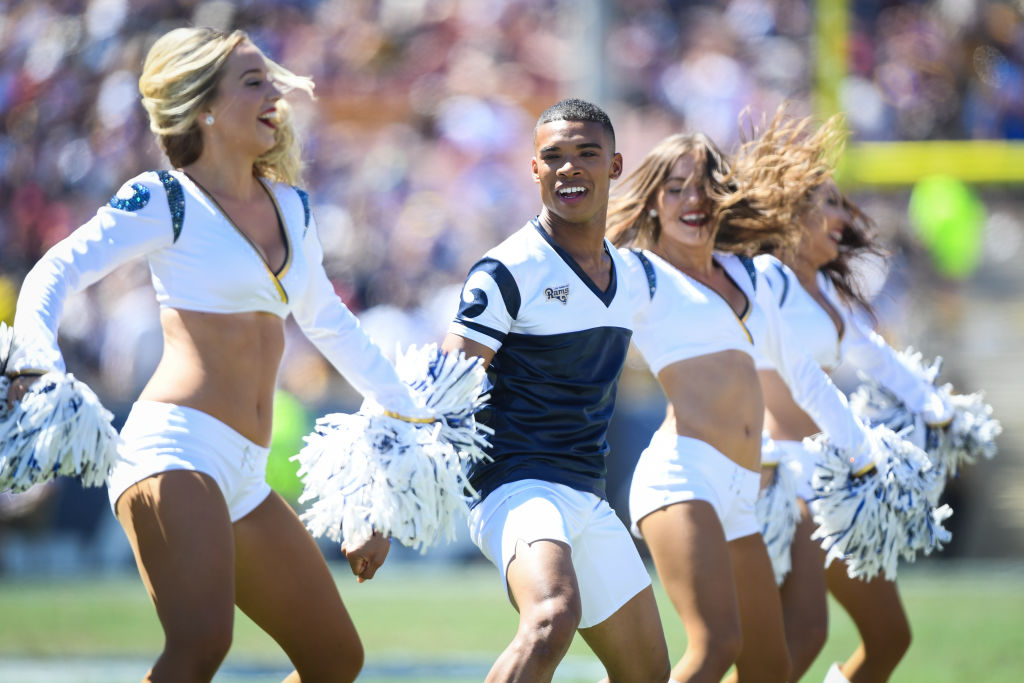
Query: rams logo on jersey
column 559, row 293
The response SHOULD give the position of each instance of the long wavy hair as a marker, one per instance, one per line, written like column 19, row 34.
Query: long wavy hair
column 859, row 239
column 180, row 76
column 755, row 196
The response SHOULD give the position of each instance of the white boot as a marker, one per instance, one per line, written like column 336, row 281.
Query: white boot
column 834, row 675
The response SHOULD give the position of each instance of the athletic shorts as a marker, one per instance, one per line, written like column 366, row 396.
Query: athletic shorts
column 608, row 567
column 803, row 464
column 674, row 469
column 160, row 437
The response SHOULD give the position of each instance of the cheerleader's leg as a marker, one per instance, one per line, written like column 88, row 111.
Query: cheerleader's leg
column 804, row 601
column 180, row 531
column 284, row 585
column 878, row 614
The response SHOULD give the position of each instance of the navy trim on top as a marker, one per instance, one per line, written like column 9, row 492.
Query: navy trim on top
column 506, row 282
column 748, row 263
column 304, row 196
column 785, row 283
column 482, row 329
column 652, row 278
column 606, row 296
column 175, row 201
column 137, row 202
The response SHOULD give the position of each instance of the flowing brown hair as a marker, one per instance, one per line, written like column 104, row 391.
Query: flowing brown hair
column 859, row 239
column 755, row 196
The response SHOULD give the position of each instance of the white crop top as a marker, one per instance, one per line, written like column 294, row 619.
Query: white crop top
column 200, row 261
column 858, row 344
column 686, row 319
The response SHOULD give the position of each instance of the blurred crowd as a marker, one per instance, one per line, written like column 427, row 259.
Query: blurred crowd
column 418, row 143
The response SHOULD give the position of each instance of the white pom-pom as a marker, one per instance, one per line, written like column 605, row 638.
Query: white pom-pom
column 6, row 346
column 970, row 435
column 369, row 472
column 874, row 520
column 58, row 428
column 778, row 513
column 449, row 387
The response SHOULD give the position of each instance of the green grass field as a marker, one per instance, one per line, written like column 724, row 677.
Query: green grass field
column 431, row 623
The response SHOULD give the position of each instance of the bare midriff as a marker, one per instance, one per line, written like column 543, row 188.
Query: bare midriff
column 716, row 398
column 224, row 365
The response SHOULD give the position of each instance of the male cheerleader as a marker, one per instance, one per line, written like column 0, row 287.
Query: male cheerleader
column 549, row 311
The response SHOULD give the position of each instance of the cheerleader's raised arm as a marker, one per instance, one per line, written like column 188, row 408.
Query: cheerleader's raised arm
column 57, row 426
column 136, row 221
column 873, row 357
column 397, row 467
column 336, row 332
column 875, row 490
column 901, row 391
column 813, row 390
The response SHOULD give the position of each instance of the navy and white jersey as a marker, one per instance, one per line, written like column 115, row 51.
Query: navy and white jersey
column 560, row 344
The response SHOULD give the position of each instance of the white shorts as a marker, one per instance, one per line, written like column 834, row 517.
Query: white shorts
column 608, row 567
column 160, row 437
column 674, row 469
column 804, row 461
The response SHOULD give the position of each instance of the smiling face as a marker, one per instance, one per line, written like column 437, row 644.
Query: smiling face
column 574, row 163
column 684, row 210
column 243, row 109
column 823, row 224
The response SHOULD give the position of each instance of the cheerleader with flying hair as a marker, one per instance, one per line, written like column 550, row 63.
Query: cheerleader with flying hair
column 695, row 218
column 823, row 306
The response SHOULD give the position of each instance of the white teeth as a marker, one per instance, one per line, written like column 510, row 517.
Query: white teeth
column 570, row 190
column 694, row 217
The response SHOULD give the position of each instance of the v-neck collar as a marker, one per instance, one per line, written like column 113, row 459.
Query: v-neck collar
column 826, row 288
column 606, row 296
column 741, row 318
column 280, row 272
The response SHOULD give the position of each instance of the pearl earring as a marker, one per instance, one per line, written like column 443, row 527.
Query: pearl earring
column 653, row 213
column 208, row 120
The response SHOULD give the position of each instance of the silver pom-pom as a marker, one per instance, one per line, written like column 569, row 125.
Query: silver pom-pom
column 873, row 520
column 368, row 472
column 58, row 428
column 969, row 436
column 778, row 513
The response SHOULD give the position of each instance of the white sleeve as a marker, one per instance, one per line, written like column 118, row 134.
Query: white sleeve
column 808, row 383
column 488, row 305
column 870, row 353
column 771, row 273
column 640, row 277
column 335, row 331
column 136, row 221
